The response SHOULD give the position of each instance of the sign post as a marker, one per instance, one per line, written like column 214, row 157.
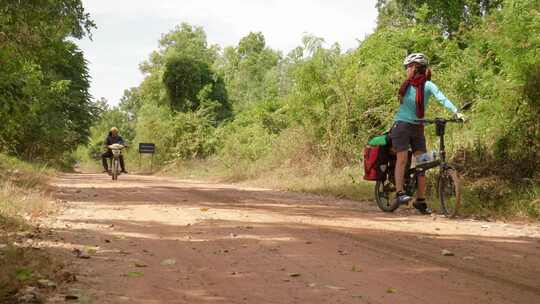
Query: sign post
column 147, row 148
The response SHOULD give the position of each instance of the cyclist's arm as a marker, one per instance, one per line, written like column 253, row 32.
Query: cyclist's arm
column 441, row 98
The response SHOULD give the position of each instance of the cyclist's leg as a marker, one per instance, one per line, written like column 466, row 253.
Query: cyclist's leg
column 122, row 164
column 421, row 180
column 104, row 158
column 400, row 137
column 418, row 143
column 399, row 171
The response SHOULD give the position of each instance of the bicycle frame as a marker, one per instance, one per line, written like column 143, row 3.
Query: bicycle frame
column 413, row 173
column 440, row 129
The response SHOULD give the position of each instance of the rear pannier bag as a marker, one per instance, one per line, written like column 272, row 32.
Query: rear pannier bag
column 371, row 154
column 378, row 158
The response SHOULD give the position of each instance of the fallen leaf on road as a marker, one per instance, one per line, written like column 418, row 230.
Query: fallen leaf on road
column 135, row 274
column 447, row 252
column 335, row 287
column 23, row 274
column 168, row 262
column 294, row 274
column 43, row 283
column 204, row 209
column 140, row 264
column 355, row 269
column 391, row 290
column 90, row 250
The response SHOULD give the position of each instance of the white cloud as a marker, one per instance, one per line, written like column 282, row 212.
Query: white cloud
column 128, row 30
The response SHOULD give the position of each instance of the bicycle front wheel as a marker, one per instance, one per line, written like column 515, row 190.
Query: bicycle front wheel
column 115, row 168
column 449, row 194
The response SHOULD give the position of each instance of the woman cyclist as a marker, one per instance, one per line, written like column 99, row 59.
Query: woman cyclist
column 414, row 95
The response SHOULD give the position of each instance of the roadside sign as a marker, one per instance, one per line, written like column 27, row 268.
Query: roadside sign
column 147, row 148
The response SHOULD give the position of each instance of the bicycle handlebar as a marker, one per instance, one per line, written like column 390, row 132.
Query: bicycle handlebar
column 438, row 120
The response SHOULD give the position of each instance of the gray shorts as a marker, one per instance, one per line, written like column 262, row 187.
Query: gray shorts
column 404, row 134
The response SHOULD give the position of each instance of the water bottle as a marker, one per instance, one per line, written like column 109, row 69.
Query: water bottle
column 423, row 158
column 427, row 157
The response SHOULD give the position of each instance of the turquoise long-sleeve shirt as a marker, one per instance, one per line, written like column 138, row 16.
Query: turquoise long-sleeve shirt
column 407, row 110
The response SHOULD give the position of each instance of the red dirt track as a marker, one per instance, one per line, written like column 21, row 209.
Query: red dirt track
column 161, row 240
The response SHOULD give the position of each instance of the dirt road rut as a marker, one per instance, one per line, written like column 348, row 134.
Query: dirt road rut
column 160, row 240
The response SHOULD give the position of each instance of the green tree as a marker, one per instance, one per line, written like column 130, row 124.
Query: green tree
column 43, row 78
column 449, row 15
column 250, row 71
column 186, row 78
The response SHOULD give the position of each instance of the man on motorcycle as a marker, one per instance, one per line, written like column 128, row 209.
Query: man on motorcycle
column 112, row 138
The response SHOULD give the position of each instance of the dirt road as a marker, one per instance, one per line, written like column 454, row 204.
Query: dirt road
column 160, row 240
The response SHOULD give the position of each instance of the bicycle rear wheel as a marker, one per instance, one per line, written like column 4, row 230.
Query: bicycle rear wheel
column 384, row 194
column 449, row 194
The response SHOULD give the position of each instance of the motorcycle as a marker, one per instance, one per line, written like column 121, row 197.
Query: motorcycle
column 115, row 160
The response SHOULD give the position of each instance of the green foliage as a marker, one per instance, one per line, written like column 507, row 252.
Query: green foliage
column 155, row 124
column 191, row 84
column 184, row 41
column 131, row 102
column 194, row 136
column 449, row 15
column 250, row 71
column 45, row 106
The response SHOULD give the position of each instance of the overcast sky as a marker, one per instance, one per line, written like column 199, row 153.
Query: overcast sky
column 128, row 30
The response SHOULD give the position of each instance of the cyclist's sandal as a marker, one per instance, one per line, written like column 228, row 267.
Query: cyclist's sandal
column 421, row 206
column 402, row 198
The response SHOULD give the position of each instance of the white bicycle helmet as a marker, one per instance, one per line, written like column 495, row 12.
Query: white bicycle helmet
column 416, row 57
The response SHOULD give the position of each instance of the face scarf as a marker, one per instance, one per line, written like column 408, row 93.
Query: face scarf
column 418, row 81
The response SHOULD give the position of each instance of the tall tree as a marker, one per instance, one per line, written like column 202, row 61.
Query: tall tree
column 190, row 82
column 44, row 80
column 250, row 70
column 448, row 14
